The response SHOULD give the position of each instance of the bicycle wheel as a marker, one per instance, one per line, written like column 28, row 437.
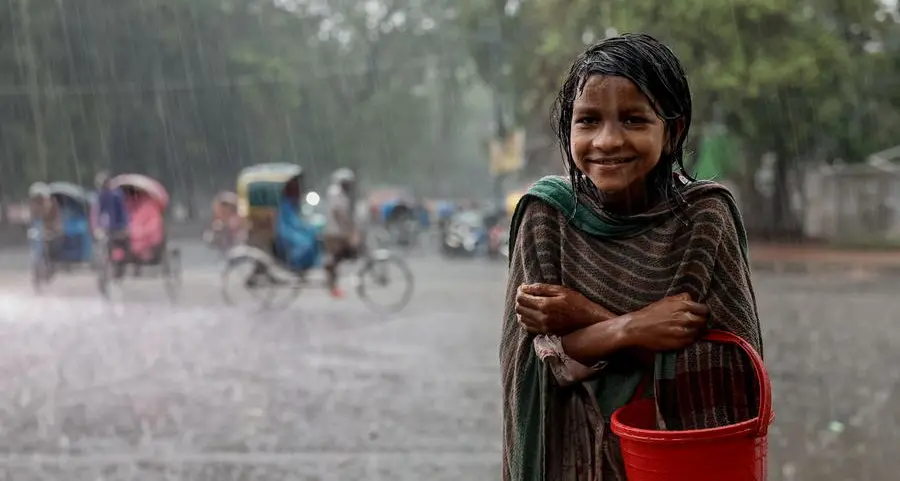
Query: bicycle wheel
column 247, row 274
column 381, row 272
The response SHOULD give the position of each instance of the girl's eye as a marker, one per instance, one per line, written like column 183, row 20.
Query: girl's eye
column 586, row 120
column 635, row 120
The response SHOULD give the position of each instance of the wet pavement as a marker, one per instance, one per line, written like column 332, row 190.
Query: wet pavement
column 328, row 391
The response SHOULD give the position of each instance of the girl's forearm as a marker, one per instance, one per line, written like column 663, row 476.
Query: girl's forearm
column 598, row 341
column 595, row 315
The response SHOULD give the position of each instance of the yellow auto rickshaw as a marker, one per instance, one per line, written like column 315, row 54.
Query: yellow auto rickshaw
column 259, row 189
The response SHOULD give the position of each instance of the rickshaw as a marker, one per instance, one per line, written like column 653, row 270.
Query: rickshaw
column 226, row 229
column 399, row 215
column 75, row 245
column 146, row 245
column 270, row 279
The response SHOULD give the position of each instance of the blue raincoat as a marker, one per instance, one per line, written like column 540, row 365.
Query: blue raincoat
column 295, row 239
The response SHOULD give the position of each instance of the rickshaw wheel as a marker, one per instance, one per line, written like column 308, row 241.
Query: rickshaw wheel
column 257, row 282
column 381, row 270
column 172, row 272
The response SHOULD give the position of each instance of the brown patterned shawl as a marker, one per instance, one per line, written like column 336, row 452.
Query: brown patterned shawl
column 556, row 411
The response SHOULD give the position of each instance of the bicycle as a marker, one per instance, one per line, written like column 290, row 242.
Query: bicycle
column 270, row 277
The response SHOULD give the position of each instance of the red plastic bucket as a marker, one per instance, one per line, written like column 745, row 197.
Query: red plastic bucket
column 729, row 453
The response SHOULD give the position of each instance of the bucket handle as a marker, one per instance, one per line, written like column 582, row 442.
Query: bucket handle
column 764, row 415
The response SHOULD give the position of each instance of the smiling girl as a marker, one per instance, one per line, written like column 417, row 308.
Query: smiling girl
column 616, row 272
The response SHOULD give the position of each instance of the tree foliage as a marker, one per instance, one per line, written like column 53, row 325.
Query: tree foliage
column 809, row 80
column 787, row 77
column 191, row 91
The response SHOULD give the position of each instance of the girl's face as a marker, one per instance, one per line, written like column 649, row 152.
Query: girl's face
column 616, row 137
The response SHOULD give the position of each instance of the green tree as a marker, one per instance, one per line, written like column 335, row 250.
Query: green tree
column 782, row 77
column 191, row 91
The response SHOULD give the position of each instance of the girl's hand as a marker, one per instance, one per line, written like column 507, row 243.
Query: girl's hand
column 671, row 323
column 553, row 309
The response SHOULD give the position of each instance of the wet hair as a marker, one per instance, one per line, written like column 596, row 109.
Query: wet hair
column 656, row 71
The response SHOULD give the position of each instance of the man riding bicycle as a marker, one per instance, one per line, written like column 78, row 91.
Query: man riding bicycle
column 341, row 237
column 111, row 218
column 45, row 213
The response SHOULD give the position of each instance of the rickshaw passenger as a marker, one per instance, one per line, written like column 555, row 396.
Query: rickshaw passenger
column 295, row 239
column 146, row 226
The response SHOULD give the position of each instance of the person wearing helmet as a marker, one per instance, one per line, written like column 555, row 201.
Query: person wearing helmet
column 341, row 236
column 38, row 194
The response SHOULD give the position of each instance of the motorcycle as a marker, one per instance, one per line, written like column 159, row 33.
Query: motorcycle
column 465, row 234
column 498, row 242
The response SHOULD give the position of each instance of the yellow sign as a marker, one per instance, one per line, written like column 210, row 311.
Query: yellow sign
column 508, row 155
column 512, row 200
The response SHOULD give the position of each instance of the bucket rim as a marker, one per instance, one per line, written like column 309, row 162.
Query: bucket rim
column 746, row 428
column 755, row 426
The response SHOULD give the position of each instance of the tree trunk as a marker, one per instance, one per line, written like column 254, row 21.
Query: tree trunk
column 786, row 225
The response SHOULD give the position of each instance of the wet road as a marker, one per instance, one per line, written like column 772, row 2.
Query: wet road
column 328, row 391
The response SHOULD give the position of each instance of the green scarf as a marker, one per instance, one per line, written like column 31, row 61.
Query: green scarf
column 619, row 381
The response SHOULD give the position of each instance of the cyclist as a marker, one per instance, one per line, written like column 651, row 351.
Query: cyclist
column 46, row 215
column 341, row 236
column 112, row 218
